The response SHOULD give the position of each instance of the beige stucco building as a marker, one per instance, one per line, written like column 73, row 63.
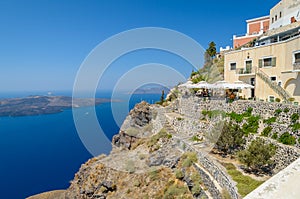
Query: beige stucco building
column 272, row 65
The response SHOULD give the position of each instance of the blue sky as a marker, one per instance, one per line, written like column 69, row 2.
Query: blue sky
column 43, row 43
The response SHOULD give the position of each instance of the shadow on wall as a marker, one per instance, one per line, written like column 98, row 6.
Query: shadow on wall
column 293, row 86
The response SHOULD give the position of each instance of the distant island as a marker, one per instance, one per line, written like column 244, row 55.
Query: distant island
column 39, row 105
column 151, row 89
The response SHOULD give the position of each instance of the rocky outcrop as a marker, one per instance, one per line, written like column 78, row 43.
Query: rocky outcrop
column 124, row 140
column 141, row 114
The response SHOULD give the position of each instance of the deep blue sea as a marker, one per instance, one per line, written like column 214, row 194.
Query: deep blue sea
column 42, row 153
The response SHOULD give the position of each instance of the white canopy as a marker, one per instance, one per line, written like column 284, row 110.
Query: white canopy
column 242, row 85
column 202, row 84
column 223, row 85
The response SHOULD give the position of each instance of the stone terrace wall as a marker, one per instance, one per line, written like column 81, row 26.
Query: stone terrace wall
column 217, row 171
column 191, row 107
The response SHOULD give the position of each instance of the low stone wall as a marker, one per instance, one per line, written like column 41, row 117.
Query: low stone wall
column 217, row 171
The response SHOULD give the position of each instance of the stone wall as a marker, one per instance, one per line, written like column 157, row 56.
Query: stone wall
column 217, row 171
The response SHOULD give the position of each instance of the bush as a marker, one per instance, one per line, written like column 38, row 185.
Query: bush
column 196, row 189
column 266, row 132
column 294, row 117
column 287, row 139
column 236, row 117
column 278, row 111
column 188, row 159
column 176, row 191
column 275, row 136
column 277, row 100
column 195, row 177
column 257, row 156
column 231, row 138
column 286, row 110
column 179, row 174
column 252, row 125
column 155, row 138
column 270, row 120
column 196, row 139
column 295, row 127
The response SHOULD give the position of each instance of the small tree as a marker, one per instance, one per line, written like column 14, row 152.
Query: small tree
column 211, row 51
column 162, row 97
column 257, row 157
column 231, row 138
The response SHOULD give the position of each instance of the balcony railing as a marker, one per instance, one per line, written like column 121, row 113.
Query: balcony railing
column 296, row 66
column 245, row 71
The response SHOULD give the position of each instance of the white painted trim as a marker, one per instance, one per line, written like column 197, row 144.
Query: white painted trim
column 258, row 18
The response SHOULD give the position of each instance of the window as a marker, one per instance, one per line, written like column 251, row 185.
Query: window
column 271, row 99
column 272, row 19
column 275, row 17
column 232, row 66
column 297, row 58
column 249, row 66
column 267, row 62
column 280, row 14
column 273, row 78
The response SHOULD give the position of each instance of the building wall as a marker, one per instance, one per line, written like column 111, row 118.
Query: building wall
column 255, row 28
column 283, row 51
column 283, row 13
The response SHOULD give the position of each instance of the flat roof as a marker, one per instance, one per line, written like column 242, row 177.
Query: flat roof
column 258, row 18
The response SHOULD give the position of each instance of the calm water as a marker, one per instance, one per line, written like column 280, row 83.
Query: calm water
column 42, row 153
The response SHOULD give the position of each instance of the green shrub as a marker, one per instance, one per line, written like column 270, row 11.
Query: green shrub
column 278, row 111
column 179, row 174
column 196, row 139
column 275, row 136
column 155, row 138
column 295, row 127
column 196, row 189
column 252, row 125
column 287, row 139
column 154, row 174
column 266, row 132
column 270, row 120
column 195, row 177
column 176, row 191
column 277, row 100
column 236, row 117
column 294, row 117
column 286, row 110
column 188, row 158
column 258, row 155
column 230, row 139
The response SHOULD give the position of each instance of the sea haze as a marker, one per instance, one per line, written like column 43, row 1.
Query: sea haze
column 42, row 153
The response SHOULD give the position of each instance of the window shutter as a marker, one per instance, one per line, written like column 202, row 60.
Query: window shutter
column 260, row 63
column 273, row 62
